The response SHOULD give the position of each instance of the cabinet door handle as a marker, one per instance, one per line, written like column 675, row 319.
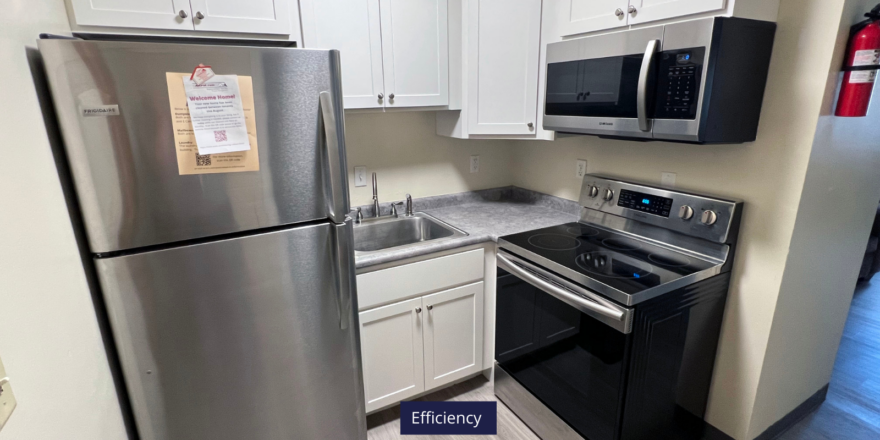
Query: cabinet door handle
column 619, row 12
column 430, row 307
column 182, row 14
column 381, row 96
column 531, row 125
column 391, row 96
column 418, row 310
column 199, row 15
column 632, row 10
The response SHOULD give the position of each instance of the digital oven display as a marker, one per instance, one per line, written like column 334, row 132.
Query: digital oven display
column 644, row 202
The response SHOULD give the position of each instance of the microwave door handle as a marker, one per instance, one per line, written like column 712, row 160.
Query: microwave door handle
column 644, row 76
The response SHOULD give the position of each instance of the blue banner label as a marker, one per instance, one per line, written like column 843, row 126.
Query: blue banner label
column 456, row 418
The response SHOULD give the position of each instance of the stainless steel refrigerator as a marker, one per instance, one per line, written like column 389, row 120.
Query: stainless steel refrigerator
column 231, row 295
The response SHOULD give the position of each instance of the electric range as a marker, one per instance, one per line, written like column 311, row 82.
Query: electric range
column 607, row 328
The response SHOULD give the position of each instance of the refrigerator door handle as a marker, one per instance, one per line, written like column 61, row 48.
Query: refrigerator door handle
column 338, row 193
column 345, row 272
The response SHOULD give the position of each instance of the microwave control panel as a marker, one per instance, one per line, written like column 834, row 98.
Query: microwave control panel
column 678, row 83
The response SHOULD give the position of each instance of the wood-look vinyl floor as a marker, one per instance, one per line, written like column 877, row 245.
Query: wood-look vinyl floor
column 385, row 425
column 852, row 409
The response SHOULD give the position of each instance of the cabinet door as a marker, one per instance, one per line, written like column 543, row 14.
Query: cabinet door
column 153, row 14
column 415, row 51
column 352, row 27
column 652, row 10
column 391, row 351
column 253, row 16
column 453, row 334
column 580, row 16
column 504, row 43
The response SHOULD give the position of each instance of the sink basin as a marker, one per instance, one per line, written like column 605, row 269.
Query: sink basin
column 373, row 235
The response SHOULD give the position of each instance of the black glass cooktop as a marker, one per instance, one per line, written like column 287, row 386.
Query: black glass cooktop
column 621, row 262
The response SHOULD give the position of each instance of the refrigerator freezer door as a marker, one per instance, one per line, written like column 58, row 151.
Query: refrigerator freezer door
column 240, row 338
column 124, row 165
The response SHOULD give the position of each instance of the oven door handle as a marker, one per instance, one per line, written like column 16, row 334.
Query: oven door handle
column 642, row 92
column 594, row 305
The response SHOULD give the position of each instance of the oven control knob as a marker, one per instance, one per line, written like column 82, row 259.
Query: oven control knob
column 594, row 191
column 685, row 212
column 609, row 194
column 709, row 218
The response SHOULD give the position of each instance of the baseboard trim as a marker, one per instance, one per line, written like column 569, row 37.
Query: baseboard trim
column 796, row 415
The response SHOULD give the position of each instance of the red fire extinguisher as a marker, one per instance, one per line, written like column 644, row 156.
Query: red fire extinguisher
column 860, row 71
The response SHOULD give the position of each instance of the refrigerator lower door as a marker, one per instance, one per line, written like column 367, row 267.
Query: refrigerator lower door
column 245, row 338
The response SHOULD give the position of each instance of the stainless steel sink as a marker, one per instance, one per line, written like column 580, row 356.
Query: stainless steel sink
column 373, row 235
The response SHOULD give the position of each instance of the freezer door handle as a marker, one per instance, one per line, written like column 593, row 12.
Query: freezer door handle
column 337, row 192
column 345, row 272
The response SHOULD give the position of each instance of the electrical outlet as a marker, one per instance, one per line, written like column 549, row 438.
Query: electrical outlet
column 7, row 399
column 667, row 179
column 360, row 176
column 475, row 164
column 581, row 169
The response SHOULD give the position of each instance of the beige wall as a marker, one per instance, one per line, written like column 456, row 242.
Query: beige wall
column 782, row 314
column 49, row 337
column 767, row 174
column 408, row 157
column 836, row 211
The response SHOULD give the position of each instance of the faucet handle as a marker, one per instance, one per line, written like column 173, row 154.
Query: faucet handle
column 359, row 217
column 394, row 208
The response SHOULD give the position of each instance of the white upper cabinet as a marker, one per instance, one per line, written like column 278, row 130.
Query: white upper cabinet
column 415, row 52
column 153, row 14
column 580, row 16
column 251, row 16
column 394, row 53
column 642, row 11
column 352, row 27
column 503, row 58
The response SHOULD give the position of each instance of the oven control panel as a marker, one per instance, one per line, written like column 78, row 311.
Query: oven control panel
column 705, row 217
column 645, row 202
column 678, row 83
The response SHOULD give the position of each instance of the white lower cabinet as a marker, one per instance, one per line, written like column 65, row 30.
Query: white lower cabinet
column 453, row 334
column 420, row 344
column 391, row 352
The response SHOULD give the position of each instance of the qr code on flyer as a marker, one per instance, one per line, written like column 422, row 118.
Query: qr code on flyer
column 203, row 160
column 219, row 135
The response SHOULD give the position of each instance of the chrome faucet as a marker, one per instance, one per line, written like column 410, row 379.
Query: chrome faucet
column 409, row 208
column 359, row 217
column 375, row 197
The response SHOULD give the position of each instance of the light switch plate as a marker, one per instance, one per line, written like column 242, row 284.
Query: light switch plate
column 360, row 176
column 667, row 179
column 581, row 168
column 475, row 164
column 7, row 398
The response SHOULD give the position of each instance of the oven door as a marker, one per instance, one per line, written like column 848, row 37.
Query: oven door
column 565, row 345
column 603, row 85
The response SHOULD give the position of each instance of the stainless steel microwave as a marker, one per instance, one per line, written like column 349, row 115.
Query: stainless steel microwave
column 697, row 81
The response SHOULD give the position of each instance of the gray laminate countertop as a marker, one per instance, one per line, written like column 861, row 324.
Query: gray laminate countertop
column 485, row 215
